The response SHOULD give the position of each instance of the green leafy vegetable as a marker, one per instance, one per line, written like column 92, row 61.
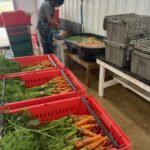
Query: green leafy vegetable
column 23, row 133
column 8, row 66
column 20, row 139
column 78, row 39
column 1, row 87
column 15, row 89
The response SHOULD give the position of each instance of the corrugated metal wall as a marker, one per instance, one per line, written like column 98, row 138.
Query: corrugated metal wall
column 95, row 10
column 29, row 6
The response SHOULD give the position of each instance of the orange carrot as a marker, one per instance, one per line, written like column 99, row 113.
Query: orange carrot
column 99, row 148
column 105, row 141
column 105, row 148
column 85, row 121
column 88, row 126
column 90, row 116
column 77, row 118
column 62, row 86
column 85, row 116
column 102, row 148
column 87, row 132
column 91, row 119
column 88, row 140
column 82, row 122
column 94, row 144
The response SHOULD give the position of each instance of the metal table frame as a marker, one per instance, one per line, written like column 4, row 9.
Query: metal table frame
column 132, row 80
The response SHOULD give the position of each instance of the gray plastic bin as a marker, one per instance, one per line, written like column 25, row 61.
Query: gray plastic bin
column 116, row 17
column 123, row 28
column 117, row 54
column 140, row 59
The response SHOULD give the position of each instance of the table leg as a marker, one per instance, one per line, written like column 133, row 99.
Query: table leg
column 88, row 77
column 101, row 81
column 67, row 61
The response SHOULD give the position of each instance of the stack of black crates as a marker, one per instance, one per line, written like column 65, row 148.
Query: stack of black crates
column 128, row 42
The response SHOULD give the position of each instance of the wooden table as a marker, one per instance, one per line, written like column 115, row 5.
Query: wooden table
column 124, row 77
column 87, row 65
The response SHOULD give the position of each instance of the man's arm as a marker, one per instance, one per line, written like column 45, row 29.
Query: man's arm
column 48, row 8
column 52, row 20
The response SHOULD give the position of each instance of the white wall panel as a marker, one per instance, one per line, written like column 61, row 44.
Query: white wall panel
column 95, row 21
column 29, row 6
column 90, row 23
column 103, row 12
column 95, row 10
column 131, row 6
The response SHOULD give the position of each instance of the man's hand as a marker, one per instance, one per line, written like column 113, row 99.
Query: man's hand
column 54, row 26
column 52, row 21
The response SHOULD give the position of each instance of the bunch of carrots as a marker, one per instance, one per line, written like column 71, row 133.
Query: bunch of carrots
column 57, row 85
column 60, row 85
column 46, row 64
column 91, row 139
column 8, row 66
column 71, row 132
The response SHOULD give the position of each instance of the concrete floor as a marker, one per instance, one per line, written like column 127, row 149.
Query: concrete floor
column 129, row 111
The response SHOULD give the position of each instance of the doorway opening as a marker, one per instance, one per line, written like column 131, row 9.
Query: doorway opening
column 5, row 5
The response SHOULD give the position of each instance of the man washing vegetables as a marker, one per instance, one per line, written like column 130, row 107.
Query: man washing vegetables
column 46, row 22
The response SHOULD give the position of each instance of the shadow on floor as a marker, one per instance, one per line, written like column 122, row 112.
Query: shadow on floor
column 131, row 112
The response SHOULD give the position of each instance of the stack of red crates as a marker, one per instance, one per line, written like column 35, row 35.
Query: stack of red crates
column 17, row 27
column 1, row 21
column 54, row 107
column 39, row 77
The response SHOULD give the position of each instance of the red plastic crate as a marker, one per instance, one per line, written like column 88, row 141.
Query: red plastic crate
column 39, row 78
column 34, row 39
column 11, row 18
column 28, row 18
column 35, row 60
column 1, row 20
column 55, row 110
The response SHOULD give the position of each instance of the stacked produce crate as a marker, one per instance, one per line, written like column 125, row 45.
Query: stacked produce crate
column 18, row 33
column 140, row 57
column 121, row 30
column 44, row 106
column 1, row 20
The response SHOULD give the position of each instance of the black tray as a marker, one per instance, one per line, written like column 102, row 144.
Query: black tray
column 85, row 53
column 71, row 47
